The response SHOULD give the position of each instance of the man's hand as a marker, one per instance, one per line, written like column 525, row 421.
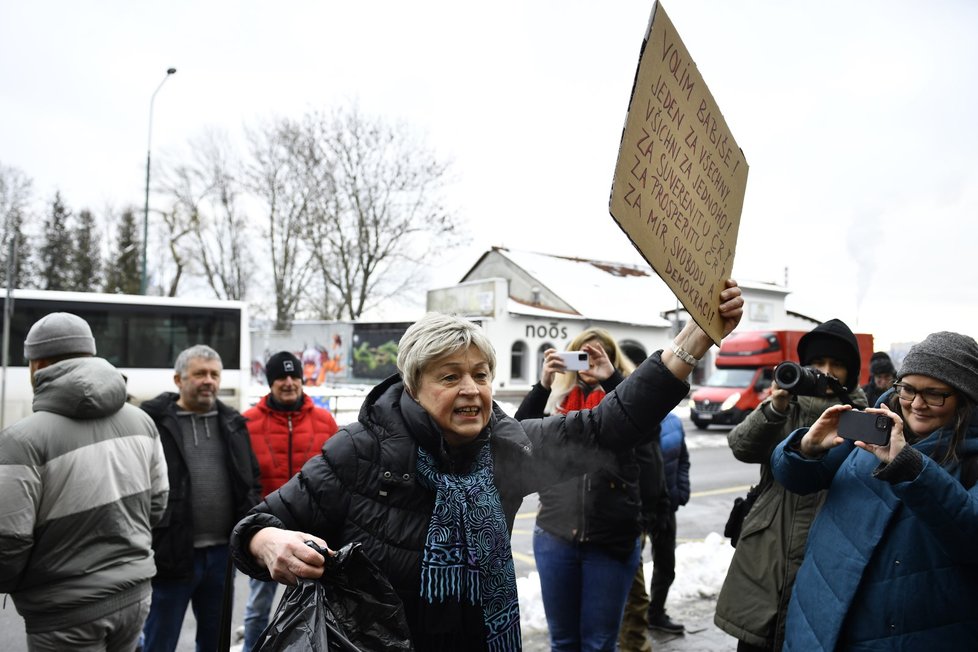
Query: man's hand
column 780, row 398
column 286, row 555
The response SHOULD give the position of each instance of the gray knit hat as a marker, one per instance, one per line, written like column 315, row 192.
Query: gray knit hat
column 951, row 358
column 56, row 334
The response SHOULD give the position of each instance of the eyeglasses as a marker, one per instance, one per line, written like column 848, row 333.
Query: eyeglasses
column 932, row 397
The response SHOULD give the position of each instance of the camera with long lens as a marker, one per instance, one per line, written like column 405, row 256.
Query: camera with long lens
column 803, row 381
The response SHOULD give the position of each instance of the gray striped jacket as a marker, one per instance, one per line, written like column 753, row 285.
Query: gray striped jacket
column 82, row 480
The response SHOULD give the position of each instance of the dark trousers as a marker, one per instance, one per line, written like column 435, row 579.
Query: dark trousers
column 663, row 562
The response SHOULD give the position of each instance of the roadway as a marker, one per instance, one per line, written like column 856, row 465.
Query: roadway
column 715, row 476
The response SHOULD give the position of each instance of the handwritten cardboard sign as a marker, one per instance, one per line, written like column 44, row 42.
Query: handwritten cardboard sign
column 680, row 178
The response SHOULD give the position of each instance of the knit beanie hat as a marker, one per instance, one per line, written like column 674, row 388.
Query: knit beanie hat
column 832, row 339
column 282, row 364
column 56, row 334
column 881, row 363
column 951, row 358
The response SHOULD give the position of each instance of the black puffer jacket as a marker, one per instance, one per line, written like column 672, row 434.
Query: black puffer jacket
column 603, row 507
column 364, row 486
column 173, row 536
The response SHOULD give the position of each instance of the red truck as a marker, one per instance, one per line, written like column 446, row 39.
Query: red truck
column 745, row 368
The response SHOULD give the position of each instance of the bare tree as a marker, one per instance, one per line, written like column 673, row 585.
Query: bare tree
column 377, row 217
column 205, row 196
column 280, row 183
column 181, row 255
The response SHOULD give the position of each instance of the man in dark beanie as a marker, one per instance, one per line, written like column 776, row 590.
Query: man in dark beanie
column 881, row 373
column 286, row 429
column 775, row 530
column 831, row 348
column 82, row 480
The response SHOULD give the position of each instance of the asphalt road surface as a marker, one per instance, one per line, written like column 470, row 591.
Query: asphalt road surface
column 716, row 478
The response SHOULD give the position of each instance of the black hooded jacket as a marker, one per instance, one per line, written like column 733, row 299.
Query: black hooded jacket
column 173, row 536
column 610, row 506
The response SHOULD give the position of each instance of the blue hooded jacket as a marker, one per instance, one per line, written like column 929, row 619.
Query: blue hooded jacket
column 889, row 566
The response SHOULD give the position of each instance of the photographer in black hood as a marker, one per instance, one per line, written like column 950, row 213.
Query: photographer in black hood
column 753, row 601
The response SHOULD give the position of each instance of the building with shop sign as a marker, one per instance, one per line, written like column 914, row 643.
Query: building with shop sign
column 528, row 302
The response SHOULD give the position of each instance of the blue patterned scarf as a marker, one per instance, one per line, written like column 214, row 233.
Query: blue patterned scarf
column 467, row 555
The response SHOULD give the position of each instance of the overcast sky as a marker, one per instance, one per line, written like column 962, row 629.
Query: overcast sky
column 857, row 119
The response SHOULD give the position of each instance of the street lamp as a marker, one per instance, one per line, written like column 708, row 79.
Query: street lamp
column 149, row 142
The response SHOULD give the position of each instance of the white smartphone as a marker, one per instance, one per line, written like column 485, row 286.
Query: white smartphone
column 575, row 360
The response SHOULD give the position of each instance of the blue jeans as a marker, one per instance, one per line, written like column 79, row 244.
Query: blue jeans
column 584, row 592
column 205, row 592
column 257, row 610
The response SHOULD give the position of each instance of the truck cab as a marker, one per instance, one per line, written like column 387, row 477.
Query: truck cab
column 745, row 368
column 744, row 372
column 729, row 395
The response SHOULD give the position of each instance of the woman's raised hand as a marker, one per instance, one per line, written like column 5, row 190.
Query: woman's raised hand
column 823, row 435
column 731, row 306
column 553, row 364
column 694, row 340
column 600, row 365
column 885, row 454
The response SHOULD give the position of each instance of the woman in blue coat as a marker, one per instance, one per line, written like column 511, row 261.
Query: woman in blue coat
column 891, row 561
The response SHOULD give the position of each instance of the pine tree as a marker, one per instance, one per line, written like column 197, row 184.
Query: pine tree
column 56, row 250
column 86, row 256
column 15, row 211
column 122, row 270
column 22, row 271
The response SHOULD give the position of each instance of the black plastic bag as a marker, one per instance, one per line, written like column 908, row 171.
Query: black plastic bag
column 352, row 608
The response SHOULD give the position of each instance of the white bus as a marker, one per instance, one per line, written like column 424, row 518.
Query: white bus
column 141, row 335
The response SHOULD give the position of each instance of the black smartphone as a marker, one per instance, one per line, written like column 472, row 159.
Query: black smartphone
column 866, row 427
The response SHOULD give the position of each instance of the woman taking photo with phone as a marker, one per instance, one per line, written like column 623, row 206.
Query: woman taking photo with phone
column 587, row 536
column 891, row 561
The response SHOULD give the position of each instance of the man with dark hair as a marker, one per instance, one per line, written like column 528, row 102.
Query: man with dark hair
column 882, row 373
column 82, row 481
column 287, row 429
column 213, row 483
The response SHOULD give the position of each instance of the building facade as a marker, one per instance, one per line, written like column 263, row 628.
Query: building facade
column 528, row 302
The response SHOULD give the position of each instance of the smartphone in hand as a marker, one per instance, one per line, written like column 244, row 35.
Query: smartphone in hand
column 866, row 427
column 575, row 360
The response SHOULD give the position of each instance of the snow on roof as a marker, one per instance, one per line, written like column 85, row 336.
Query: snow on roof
column 515, row 307
column 600, row 290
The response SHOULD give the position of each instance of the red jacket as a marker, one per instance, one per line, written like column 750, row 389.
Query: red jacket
column 284, row 440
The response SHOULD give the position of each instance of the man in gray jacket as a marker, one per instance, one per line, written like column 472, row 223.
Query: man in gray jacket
column 82, row 480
